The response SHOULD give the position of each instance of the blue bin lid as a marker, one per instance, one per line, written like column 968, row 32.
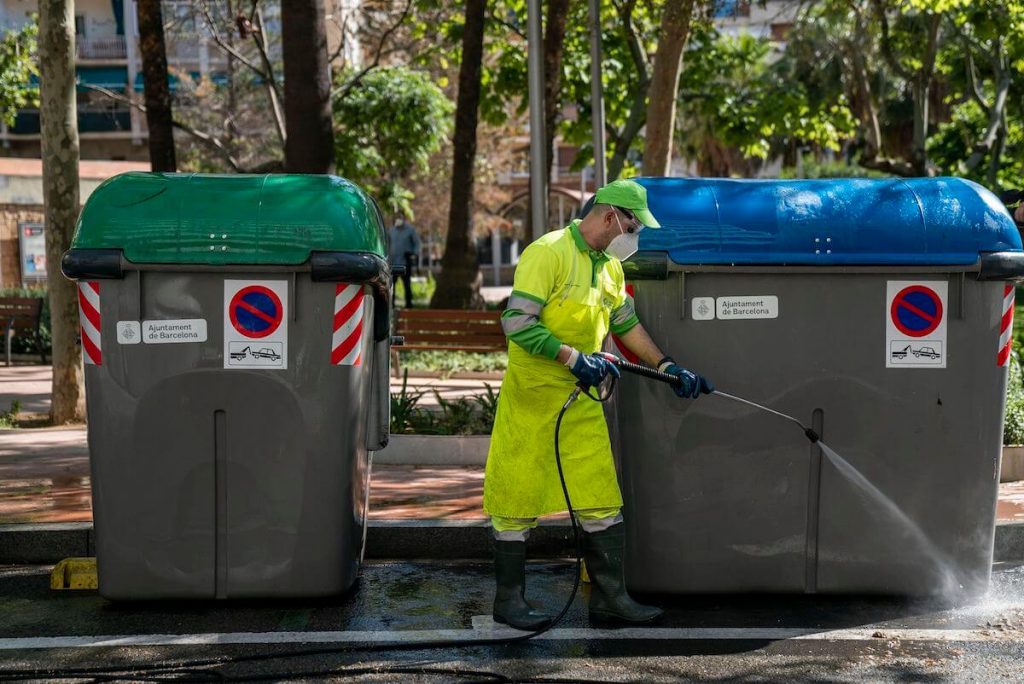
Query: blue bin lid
column 913, row 221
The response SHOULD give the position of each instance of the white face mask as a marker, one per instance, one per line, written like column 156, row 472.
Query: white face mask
column 624, row 245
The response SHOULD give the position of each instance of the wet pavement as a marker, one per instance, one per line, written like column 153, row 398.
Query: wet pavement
column 372, row 634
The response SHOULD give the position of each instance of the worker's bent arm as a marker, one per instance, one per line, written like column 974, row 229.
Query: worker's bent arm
column 521, row 323
column 535, row 279
column 641, row 344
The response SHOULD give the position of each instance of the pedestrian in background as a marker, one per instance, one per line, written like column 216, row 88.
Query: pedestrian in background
column 404, row 251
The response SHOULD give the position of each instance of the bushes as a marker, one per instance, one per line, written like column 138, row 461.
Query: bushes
column 462, row 416
column 1013, row 423
column 448, row 362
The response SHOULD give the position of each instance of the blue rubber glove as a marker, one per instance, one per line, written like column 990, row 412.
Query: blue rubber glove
column 591, row 369
column 691, row 385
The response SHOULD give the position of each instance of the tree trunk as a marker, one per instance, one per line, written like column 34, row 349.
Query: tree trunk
column 921, row 90
column 59, row 127
column 868, row 111
column 856, row 49
column 309, row 145
column 458, row 284
column 997, row 111
column 157, row 90
column 624, row 140
column 661, row 107
column 918, row 153
column 270, row 81
column 997, row 154
column 554, row 44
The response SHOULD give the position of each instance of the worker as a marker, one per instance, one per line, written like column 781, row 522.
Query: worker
column 568, row 293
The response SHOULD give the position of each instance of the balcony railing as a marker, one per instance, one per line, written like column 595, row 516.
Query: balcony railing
column 104, row 121
column 26, row 122
column 89, row 121
column 107, row 47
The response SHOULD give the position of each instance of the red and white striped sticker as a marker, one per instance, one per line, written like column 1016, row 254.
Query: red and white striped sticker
column 1006, row 327
column 346, row 343
column 89, row 314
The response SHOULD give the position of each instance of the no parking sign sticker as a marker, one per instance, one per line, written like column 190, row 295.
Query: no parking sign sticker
column 256, row 324
column 915, row 324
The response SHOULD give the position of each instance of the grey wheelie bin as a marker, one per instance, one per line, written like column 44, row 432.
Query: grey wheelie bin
column 235, row 334
column 876, row 311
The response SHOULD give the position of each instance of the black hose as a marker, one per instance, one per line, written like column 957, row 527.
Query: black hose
column 648, row 372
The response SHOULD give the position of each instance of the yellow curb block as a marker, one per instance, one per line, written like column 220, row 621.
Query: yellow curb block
column 74, row 573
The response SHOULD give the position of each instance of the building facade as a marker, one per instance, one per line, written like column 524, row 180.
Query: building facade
column 107, row 57
column 22, row 233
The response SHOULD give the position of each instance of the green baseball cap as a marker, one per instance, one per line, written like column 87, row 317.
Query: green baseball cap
column 628, row 194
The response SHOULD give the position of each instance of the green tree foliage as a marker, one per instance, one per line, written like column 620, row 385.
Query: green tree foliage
column 735, row 97
column 386, row 127
column 984, row 60
column 1013, row 422
column 17, row 66
column 629, row 38
column 934, row 85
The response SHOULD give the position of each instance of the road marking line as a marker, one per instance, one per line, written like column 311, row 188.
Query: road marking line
column 567, row 634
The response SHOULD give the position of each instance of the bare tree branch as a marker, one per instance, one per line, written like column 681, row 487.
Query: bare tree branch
column 636, row 50
column 273, row 88
column 265, row 72
column 222, row 44
column 342, row 93
column 972, row 79
column 210, row 141
column 997, row 112
column 886, row 41
column 508, row 25
column 344, row 31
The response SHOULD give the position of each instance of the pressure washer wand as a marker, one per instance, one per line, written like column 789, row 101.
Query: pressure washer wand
column 669, row 379
column 811, row 434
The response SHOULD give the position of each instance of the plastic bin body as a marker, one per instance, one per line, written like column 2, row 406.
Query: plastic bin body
column 724, row 498
column 213, row 482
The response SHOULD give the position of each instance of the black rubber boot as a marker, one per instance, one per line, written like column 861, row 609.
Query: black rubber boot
column 510, row 606
column 609, row 600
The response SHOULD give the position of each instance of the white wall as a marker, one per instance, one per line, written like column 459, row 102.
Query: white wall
column 99, row 18
column 761, row 18
column 29, row 189
column 15, row 13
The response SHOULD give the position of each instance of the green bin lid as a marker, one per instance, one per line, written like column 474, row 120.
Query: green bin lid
column 177, row 218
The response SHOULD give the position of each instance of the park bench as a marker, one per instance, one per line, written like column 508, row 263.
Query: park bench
column 21, row 316
column 448, row 330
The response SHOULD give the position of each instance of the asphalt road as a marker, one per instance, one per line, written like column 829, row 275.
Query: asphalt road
column 372, row 635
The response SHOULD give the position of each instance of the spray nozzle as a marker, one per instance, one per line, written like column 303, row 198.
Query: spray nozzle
column 812, row 435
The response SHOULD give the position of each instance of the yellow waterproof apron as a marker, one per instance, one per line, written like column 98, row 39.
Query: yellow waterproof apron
column 522, row 478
